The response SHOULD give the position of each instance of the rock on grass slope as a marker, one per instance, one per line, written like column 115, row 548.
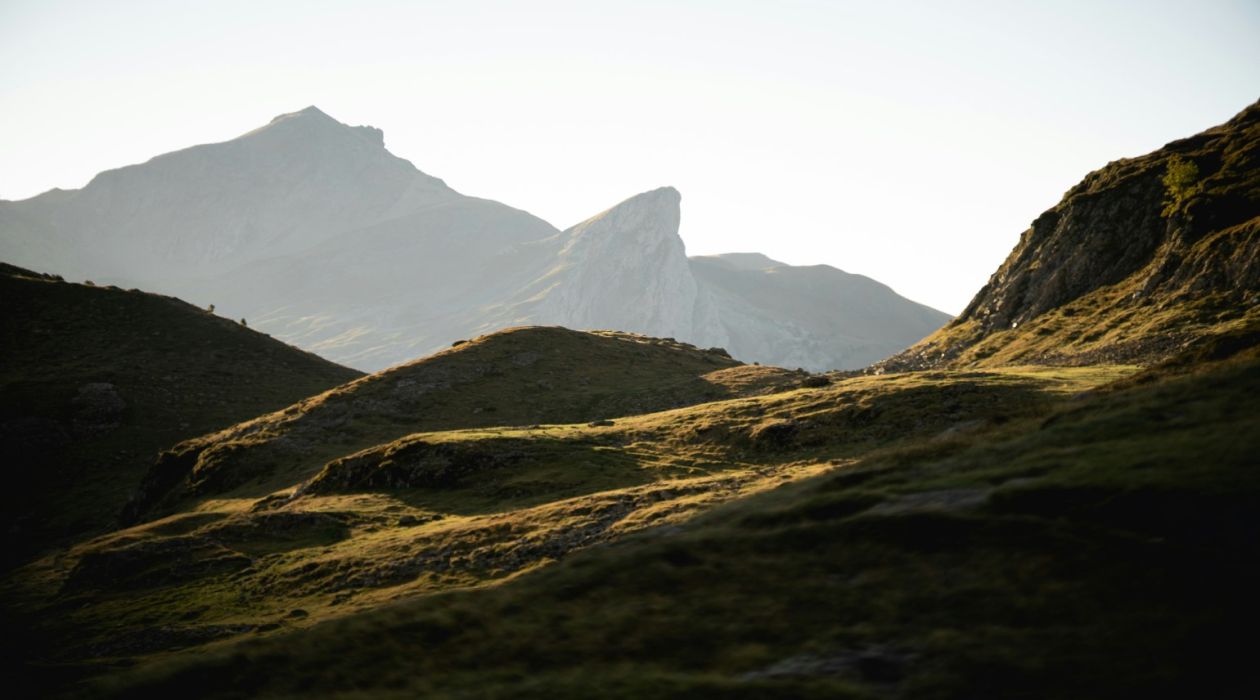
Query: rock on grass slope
column 1113, row 274
column 95, row 381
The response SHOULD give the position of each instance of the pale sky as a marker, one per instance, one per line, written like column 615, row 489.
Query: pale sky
column 908, row 141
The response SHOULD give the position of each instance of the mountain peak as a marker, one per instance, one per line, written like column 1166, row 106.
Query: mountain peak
column 662, row 201
column 633, row 259
column 663, row 195
column 312, row 120
column 311, row 112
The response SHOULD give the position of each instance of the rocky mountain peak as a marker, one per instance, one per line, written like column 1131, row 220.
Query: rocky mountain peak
column 282, row 187
column 654, row 214
column 311, row 125
column 311, row 113
column 628, row 265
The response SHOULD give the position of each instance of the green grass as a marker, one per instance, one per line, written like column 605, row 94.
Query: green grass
column 1096, row 549
column 518, row 377
column 444, row 511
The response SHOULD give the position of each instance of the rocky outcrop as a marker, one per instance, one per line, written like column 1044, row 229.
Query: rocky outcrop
column 413, row 463
column 1116, row 273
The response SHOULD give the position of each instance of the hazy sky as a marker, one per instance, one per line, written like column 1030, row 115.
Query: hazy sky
column 908, row 141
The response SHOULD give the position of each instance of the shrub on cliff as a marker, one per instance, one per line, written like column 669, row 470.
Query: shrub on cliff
column 1181, row 180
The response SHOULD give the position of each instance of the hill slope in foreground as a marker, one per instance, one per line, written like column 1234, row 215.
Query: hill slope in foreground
column 97, row 380
column 1033, row 542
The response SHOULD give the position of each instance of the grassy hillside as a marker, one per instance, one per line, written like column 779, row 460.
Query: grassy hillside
column 1130, row 266
column 1091, row 545
column 439, row 511
column 95, row 381
column 521, row 377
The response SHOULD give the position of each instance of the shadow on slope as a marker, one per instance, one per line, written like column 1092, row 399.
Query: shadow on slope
column 96, row 380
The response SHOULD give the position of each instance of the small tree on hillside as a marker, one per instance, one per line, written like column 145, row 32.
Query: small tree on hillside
column 1181, row 181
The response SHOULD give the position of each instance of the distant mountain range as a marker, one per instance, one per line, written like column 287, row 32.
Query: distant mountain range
column 316, row 234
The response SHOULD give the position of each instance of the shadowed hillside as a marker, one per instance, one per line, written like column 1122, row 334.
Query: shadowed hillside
column 95, row 381
column 1140, row 258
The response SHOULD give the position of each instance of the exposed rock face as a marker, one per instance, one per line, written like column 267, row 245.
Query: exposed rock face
column 1110, row 275
column 316, row 234
column 623, row 269
column 626, row 266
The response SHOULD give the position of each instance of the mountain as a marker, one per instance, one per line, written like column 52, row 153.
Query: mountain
column 215, row 207
column 316, row 234
column 626, row 265
column 1140, row 259
column 96, row 380
column 813, row 316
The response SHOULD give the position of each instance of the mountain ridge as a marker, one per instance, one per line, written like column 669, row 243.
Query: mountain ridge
column 316, row 233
